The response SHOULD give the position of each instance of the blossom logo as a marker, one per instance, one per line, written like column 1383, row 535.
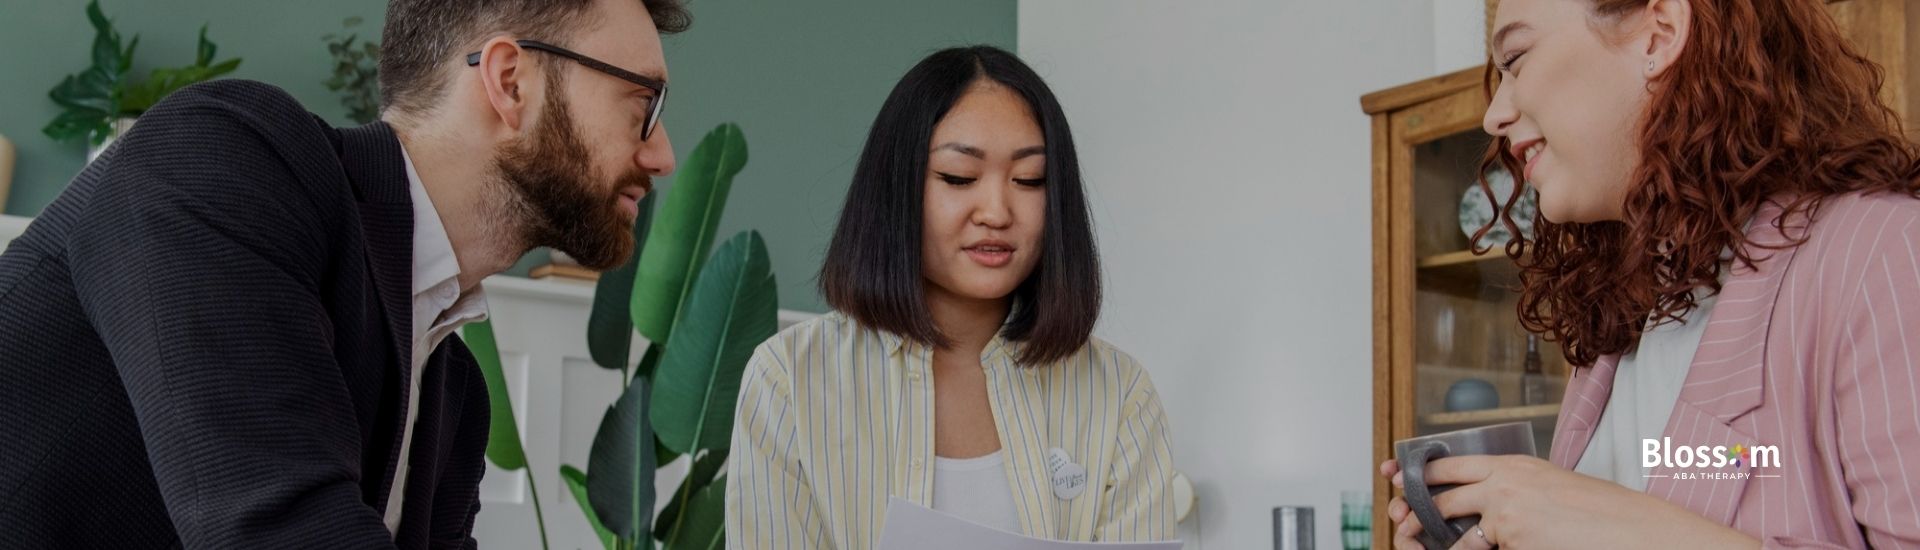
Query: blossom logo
column 1708, row 462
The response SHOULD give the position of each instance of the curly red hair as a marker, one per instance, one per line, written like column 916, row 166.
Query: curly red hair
column 1767, row 101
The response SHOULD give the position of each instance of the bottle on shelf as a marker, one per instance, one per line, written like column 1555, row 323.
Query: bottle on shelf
column 1533, row 379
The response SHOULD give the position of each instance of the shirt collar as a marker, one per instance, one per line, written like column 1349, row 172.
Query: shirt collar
column 434, row 261
column 998, row 347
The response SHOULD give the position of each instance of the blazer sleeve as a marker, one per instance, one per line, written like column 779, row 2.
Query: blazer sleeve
column 770, row 505
column 1136, row 501
column 1877, row 391
column 195, row 260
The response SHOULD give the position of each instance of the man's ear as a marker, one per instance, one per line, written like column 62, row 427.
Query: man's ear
column 503, row 74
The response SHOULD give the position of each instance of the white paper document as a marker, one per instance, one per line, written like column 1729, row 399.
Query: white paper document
column 914, row 527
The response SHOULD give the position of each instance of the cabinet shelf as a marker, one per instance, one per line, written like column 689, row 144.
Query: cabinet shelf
column 1463, row 419
column 1460, row 257
column 1464, row 273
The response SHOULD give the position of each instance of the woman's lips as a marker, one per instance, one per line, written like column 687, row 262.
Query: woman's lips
column 1529, row 153
column 991, row 255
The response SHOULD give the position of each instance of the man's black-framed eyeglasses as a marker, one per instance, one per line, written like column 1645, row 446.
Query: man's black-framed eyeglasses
column 659, row 88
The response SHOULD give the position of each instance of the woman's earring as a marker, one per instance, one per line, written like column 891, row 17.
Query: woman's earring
column 1650, row 64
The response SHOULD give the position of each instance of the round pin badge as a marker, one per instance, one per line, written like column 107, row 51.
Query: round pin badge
column 1069, row 479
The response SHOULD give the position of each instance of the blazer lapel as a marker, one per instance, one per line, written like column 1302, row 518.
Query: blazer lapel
column 1587, row 394
column 1726, row 379
column 371, row 155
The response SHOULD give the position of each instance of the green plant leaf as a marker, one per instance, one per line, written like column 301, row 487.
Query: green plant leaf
column 99, row 82
column 126, row 57
column 106, row 52
column 732, row 309
column 577, row 484
column 355, row 71
column 218, row 69
column 82, row 94
column 704, row 527
column 90, row 98
column 699, row 476
column 137, row 98
column 204, row 54
column 621, row 464
column 98, row 17
column 650, row 360
column 106, row 40
column 503, row 436
column 609, row 329
column 679, row 242
column 77, row 125
column 661, row 452
column 103, row 79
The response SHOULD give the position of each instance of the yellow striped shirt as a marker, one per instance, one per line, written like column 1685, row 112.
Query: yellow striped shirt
column 834, row 418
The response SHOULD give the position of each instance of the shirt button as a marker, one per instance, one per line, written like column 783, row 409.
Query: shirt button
column 915, row 375
column 916, row 464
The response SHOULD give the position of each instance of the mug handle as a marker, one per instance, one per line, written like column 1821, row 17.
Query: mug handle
column 1420, row 498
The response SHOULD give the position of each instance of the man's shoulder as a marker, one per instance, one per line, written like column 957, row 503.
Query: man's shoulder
column 238, row 155
column 234, row 138
column 205, row 118
column 239, row 100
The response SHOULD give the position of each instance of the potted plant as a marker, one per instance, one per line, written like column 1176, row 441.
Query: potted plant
column 100, row 103
column 356, row 74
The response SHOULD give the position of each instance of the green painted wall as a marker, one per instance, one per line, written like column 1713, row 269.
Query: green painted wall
column 803, row 79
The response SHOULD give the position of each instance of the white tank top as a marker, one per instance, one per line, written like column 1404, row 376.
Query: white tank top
column 975, row 489
column 1646, row 385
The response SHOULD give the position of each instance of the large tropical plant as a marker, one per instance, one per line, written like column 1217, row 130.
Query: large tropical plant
column 702, row 312
column 93, row 99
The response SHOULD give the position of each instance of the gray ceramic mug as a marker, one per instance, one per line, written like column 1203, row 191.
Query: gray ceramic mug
column 1438, row 532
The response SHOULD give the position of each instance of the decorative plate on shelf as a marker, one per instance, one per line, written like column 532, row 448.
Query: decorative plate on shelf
column 1476, row 210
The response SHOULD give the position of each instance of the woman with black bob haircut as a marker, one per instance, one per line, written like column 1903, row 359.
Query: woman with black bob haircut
column 958, row 371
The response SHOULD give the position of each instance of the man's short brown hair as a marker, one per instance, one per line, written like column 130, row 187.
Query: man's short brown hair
column 422, row 36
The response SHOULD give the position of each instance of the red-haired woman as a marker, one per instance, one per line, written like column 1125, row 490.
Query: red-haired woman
column 1729, row 251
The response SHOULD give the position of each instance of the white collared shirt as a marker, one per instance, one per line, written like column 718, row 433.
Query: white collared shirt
column 439, row 308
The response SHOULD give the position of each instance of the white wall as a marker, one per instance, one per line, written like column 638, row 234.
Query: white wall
column 1459, row 34
column 1229, row 167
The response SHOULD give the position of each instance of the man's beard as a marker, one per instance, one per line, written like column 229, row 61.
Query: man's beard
column 550, row 191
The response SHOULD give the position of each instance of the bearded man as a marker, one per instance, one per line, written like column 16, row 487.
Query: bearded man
column 236, row 328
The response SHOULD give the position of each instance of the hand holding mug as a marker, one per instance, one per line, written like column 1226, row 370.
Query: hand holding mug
column 1517, row 501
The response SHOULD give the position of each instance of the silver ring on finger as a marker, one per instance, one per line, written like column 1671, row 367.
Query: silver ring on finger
column 1484, row 541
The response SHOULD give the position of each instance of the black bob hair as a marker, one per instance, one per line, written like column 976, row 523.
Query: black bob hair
column 873, row 266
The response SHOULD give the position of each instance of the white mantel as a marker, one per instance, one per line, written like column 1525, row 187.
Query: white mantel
column 559, row 396
column 11, row 227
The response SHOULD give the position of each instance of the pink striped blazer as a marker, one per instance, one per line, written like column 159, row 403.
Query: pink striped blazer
column 1815, row 351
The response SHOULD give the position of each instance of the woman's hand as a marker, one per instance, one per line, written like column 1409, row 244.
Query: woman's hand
column 1524, row 502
